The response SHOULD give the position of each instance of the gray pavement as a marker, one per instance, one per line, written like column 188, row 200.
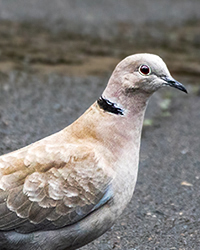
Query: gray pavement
column 105, row 18
column 48, row 79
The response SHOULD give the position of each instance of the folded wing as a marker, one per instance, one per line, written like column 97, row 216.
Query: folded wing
column 46, row 186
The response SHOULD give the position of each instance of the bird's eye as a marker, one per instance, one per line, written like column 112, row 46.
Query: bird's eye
column 144, row 70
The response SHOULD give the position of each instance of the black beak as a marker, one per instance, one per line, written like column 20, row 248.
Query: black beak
column 170, row 81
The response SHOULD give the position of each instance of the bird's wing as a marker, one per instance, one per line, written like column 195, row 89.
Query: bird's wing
column 45, row 186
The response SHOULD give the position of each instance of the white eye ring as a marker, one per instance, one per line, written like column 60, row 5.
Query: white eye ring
column 144, row 70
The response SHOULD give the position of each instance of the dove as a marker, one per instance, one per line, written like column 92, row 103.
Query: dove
column 69, row 188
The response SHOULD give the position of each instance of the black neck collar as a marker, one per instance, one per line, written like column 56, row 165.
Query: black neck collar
column 109, row 106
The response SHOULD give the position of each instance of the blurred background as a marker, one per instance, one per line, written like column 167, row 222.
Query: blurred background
column 55, row 60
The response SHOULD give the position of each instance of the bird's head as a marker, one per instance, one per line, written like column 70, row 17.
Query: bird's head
column 137, row 77
column 141, row 73
column 145, row 73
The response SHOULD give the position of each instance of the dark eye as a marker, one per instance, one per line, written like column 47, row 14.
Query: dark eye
column 144, row 70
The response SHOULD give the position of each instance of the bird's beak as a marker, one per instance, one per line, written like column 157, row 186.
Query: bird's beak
column 170, row 81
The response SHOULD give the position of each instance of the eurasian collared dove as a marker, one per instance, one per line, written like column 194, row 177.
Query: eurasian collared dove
column 69, row 188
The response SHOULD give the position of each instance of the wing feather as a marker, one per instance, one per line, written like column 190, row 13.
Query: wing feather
column 46, row 186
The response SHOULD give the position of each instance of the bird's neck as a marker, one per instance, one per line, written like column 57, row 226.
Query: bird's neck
column 124, row 118
column 107, row 124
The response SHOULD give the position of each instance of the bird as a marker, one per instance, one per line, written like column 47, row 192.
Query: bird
column 67, row 189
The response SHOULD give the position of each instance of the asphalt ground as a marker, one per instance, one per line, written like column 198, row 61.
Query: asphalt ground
column 48, row 78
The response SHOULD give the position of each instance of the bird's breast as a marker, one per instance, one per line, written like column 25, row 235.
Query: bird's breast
column 124, row 182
